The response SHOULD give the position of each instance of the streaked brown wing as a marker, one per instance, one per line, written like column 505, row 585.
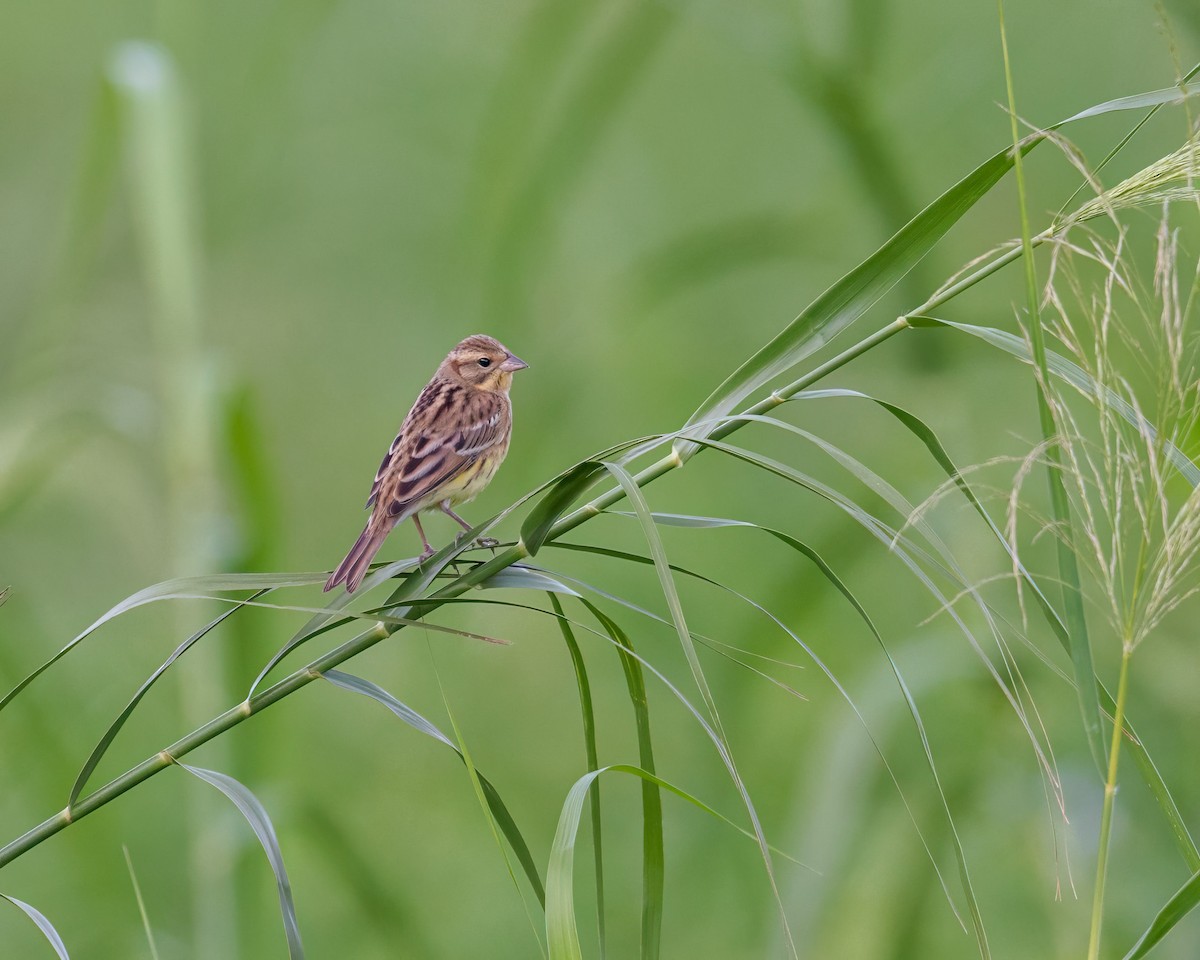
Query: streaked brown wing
column 417, row 417
column 437, row 443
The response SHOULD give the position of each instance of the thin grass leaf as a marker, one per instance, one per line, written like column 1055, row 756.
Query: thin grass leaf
column 255, row 814
column 324, row 621
column 519, row 577
column 504, row 818
column 881, row 532
column 110, row 734
column 182, row 587
column 141, row 903
column 477, row 786
column 828, row 572
column 663, row 568
column 1179, row 906
column 593, row 761
column 114, row 728
column 653, row 856
column 555, row 503
column 855, row 293
column 562, row 933
column 1076, row 376
column 39, row 918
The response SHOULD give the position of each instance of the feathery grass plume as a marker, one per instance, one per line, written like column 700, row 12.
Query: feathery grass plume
column 1169, row 179
column 1138, row 528
column 1123, row 426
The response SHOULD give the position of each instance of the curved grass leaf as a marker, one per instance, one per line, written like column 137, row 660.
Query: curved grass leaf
column 518, row 577
column 1179, row 906
column 1077, row 377
column 562, row 933
column 497, row 806
column 114, row 728
column 249, row 807
column 180, row 588
column 653, row 856
column 910, row 702
column 881, row 532
column 1074, row 374
column 663, row 568
column 141, row 904
column 593, row 760
column 851, row 296
column 39, row 918
column 555, row 503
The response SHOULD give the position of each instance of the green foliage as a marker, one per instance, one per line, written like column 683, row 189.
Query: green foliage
column 639, row 193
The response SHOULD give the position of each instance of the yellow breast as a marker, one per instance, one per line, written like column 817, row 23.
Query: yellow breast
column 470, row 483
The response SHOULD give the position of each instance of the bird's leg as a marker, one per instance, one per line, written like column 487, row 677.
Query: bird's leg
column 428, row 551
column 482, row 541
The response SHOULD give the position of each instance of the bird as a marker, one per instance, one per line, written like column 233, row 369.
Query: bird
column 448, row 449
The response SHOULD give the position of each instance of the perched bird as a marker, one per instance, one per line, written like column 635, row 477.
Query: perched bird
column 448, row 449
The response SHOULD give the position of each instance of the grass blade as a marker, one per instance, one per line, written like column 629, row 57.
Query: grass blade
column 141, row 903
column 1077, row 377
column 518, row 577
column 593, row 760
column 836, row 581
column 653, row 856
column 496, row 805
column 561, row 930
column 114, row 728
column 555, row 503
column 39, row 918
column 851, row 296
column 1179, row 906
column 171, row 590
column 255, row 814
column 1074, row 374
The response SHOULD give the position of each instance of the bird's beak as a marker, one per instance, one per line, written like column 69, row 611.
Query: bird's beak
column 512, row 364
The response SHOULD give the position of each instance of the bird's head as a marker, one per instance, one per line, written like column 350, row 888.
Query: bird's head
column 483, row 363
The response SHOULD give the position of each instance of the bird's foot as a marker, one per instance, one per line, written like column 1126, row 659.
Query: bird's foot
column 488, row 542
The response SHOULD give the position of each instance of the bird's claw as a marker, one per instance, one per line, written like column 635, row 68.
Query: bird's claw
column 488, row 542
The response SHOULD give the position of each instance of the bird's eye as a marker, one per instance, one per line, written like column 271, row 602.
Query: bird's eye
column 485, row 362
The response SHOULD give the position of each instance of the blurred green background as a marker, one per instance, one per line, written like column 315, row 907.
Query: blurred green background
column 633, row 197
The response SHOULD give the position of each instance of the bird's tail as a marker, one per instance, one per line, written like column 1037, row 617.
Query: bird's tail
column 352, row 570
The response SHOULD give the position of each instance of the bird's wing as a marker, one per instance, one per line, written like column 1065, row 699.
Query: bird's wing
column 447, row 430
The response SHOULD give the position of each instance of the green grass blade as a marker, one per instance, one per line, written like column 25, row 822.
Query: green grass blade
column 1179, row 906
column 555, row 503
column 518, row 577
column 114, row 728
column 828, row 572
column 496, row 805
column 39, row 918
column 171, row 590
column 561, row 930
column 1070, row 372
column 256, row 815
column 327, row 620
column 653, row 856
column 856, row 292
column 480, row 795
column 1064, row 368
column 141, row 903
column 593, row 759
column 853, row 294
column 883, row 533
column 663, row 568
